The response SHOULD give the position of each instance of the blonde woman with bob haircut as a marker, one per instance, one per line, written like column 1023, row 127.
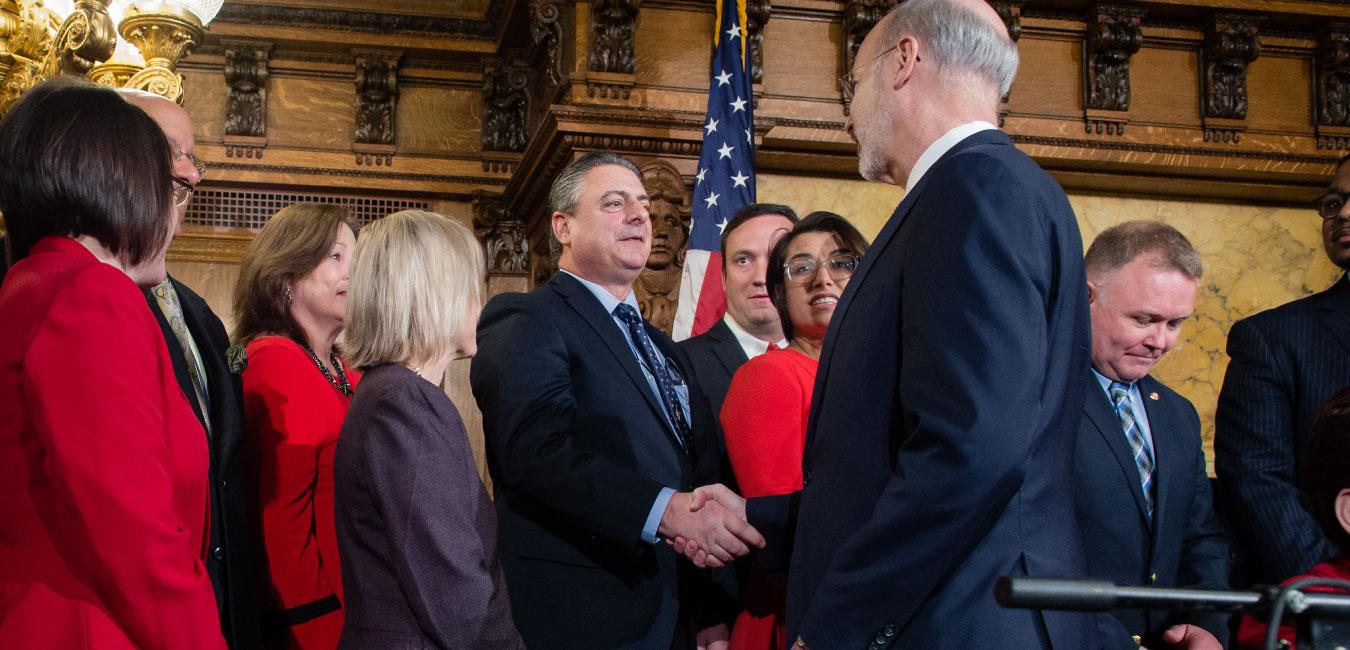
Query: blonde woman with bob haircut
column 416, row 530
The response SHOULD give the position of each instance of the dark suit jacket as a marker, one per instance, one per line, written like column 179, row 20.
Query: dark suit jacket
column 944, row 417
column 416, row 530
column 716, row 356
column 579, row 449
column 1184, row 547
column 230, row 553
column 1284, row 363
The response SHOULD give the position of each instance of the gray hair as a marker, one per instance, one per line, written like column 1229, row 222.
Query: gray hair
column 960, row 43
column 566, row 190
column 1121, row 244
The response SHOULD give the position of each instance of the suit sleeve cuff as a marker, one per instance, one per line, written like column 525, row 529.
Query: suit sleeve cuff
column 654, row 517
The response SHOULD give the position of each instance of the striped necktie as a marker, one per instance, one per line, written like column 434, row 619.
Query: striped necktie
column 1143, row 453
column 655, row 361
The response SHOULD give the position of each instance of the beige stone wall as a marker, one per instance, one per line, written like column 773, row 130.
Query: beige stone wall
column 1255, row 257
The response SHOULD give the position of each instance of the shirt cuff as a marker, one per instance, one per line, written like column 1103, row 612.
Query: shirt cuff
column 654, row 517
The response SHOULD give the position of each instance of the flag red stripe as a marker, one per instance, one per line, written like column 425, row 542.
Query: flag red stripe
column 712, row 301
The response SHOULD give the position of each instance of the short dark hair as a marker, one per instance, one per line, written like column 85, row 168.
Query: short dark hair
column 566, row 188
column 76, row 159
column 819, row 221
column 291, row 245
column 1122, row 243
column 1325, row 469
column 750, row 212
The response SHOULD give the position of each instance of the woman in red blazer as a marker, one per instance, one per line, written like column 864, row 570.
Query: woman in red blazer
column 290, row 302
column 764, row 416
column 103, row 466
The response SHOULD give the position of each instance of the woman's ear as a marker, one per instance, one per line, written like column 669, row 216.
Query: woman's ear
column 1343, row 509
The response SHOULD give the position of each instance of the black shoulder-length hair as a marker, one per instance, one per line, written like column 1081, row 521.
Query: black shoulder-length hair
column 76, row 159
column 819, row 221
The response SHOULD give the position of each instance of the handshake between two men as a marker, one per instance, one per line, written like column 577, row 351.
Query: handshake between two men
column 708, row 526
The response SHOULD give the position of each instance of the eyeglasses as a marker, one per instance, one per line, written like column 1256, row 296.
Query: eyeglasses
column 196, row 162
column 849, row 82
column 1330, row 204
column 802, row 268
column 182, row 193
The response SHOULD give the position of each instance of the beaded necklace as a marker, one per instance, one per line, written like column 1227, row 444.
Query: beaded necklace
column 341, row 384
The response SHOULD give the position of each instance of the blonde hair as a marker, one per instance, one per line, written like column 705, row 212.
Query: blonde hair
column 414, row 278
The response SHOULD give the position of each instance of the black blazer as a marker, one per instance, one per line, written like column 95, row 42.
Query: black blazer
column 1284, row 363
column 579, row 448
column 229, row 558
column 944, row 416
column 716, row 356
column 416, row 530
column 1184, row 547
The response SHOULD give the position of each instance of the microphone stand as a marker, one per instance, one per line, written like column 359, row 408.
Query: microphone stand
column 1323, row 619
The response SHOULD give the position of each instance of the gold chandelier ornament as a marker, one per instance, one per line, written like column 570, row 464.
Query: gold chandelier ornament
column 43, row 38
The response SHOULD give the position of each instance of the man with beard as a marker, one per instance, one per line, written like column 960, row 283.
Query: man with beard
column 1284, row 363
column 942, row 431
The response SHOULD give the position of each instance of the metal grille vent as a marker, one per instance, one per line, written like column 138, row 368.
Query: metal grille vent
column 239, row 208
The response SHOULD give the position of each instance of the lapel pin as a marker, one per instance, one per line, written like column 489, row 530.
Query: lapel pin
column 1153, row 396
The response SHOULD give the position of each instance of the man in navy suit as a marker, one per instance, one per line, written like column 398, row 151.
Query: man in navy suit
column 1140, row 488
column 939, row 448
column 750, row 325
column 593, row 443
column 1284, row 362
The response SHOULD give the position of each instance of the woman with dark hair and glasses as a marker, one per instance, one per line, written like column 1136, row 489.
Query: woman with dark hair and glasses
column 764, row 416
column 103, row 465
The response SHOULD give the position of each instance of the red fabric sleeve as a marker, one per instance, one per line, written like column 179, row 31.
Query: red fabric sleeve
column 121, row 463
column 763, row 421
column 295, row 434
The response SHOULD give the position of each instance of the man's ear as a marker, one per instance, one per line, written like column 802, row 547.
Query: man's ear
column 562, row 228
column 907, row 53
column 1343, row 509
column 1093, row 292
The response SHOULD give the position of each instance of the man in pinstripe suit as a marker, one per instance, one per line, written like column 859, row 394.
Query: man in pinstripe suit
column 1285, row 362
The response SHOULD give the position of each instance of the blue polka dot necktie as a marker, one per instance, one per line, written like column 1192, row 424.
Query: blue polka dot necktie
column 655, row 362
column 1143, row 453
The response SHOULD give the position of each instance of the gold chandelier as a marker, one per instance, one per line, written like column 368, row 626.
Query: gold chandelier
column 40, row 39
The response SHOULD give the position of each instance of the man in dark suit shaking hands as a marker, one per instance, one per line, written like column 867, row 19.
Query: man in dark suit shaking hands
column 1140, row 487
column 1284, row 363
column 942, row 428
column 594, row 445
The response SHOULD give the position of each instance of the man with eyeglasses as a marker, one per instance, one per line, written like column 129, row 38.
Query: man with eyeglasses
column 941, row 436
column 1284, row 362
column 197, row 344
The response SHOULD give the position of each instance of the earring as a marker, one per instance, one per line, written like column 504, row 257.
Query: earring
column 288, row 295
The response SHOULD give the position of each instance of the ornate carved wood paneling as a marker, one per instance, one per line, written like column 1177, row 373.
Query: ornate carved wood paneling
column 859, row 18
column 1333, row 87
column 1113, row 36
column 613, row 23
column 505, row 104
column 1230, row 46
column 246, row 70
column 757, row 16
column 376, row 101
column 658, row 286
column 503, row 235
column 547, row 18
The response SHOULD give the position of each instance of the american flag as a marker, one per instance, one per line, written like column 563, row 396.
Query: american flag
column 726, row 173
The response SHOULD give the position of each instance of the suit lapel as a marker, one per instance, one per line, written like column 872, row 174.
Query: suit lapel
column 1161, row 423
column 176, row 356
column 1336, row 311
column 1101, row 412
column 585, row 305
column 218, row 379
column 726, row 348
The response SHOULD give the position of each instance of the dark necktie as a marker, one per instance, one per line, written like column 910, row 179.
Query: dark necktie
column 1143, row 454
column 655, row 362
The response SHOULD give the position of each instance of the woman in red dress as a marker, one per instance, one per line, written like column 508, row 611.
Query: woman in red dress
column 764, row 416
column 290, row 302
column 103, row 466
